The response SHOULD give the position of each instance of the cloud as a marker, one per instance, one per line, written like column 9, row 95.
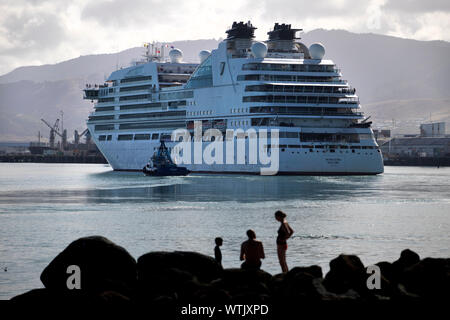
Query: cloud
column 418, row 6
column 300, row 9
column 49, row 31
column 28, row 31
column 124, row 13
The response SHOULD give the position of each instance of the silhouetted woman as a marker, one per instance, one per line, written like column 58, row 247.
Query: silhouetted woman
column 284, row 233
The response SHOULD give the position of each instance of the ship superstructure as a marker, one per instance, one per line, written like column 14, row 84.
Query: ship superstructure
column 244, row 86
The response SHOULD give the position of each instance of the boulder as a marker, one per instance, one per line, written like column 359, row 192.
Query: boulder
column 236, row 276
column 103, row 266
column 210, row 295
column 407, row 259
column 40, row 296
column 315, row 271
column 300, row 286
column 203, row 267
column 167, row 282
column 391, row 272
column 236, row 281
column 297, row 284
column 112, row 298
column 387, row 270
column 166, row 306
column 46, row 299
column 346, row 272
column 276, row 284
column 429, row 278
column 250, row 298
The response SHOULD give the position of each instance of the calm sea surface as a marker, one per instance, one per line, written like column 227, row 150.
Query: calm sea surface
column 44, row 207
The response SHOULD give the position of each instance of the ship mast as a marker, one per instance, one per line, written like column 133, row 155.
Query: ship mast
column 152, row 52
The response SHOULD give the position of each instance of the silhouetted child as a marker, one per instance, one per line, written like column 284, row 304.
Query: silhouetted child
column 217, row 252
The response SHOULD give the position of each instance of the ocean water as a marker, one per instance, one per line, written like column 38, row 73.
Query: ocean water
column 44, row 207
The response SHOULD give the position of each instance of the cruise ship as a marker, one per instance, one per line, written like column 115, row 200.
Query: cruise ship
column 278, row 95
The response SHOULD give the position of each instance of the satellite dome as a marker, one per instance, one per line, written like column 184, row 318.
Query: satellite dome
column 317, row 51
column 203, row 55
column 176, row 55
column 259, row 49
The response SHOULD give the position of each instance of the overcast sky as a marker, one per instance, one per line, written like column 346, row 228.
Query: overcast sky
column 34, row 32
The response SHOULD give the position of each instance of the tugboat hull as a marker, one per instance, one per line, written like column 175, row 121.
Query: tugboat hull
column 175, row 171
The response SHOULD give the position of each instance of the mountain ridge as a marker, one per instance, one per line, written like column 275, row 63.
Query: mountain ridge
column 387, row 71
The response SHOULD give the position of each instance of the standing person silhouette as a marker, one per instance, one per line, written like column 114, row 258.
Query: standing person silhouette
column 284, row 233
column 252, row 251
column 217, row 252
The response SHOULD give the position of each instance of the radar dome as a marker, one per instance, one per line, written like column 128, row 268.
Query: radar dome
column 176, row 55
column 317, row 51
column 259, row 49
column 203, row 55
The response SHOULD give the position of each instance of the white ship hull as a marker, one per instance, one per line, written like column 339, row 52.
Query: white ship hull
column 133, row 156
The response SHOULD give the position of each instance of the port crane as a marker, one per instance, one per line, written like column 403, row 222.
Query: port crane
column 78, row 136
column 53, row 129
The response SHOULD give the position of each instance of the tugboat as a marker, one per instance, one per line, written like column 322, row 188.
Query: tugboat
column 161, row 164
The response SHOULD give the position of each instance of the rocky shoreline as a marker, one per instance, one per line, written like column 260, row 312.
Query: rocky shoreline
column 109, row 275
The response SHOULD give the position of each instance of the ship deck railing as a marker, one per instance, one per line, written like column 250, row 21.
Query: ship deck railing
column 344, row 114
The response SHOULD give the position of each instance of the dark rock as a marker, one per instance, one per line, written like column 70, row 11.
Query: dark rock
column 44, row 299
column 346, row 272
column 387, row 270
column 165, row 306
column 391, row 272
column 210, row 295
column 103, row 265
column 250, row 298
column 322, row 292
column 306, row 284
column 430, row 278
column 402, row 293
column 296, row 285
column 239, row 276
column 114, row 298
column 407, row 259
column 162, row 281
column 167, row 282
column 326, row 295
column 299, row 286
column 37, row 296
column 276, row 284
column 390, row 277
column 191, row 290
column 314, row 271
column 204, row 268
column 236, row 281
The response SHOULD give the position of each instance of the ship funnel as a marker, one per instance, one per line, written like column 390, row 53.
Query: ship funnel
column 241, row 30
column 239, row 38
column 281, row 38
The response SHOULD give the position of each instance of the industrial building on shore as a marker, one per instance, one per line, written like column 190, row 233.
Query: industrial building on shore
column 430, row 147
column 57, row 150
